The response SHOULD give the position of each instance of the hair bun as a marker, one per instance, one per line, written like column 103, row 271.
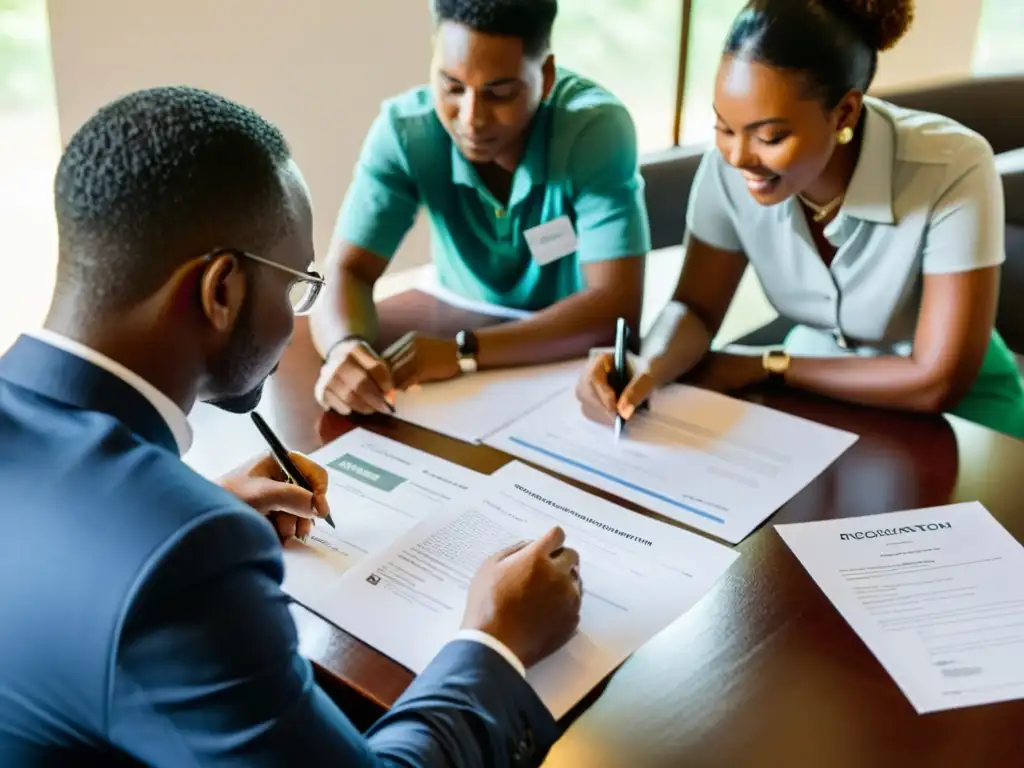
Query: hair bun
column 882, row 22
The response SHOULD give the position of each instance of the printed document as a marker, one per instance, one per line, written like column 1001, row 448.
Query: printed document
column 428, row 282
column 638, row 575
column 713, row 462
column 936, row 594
column 378, row 489
column 470, row 408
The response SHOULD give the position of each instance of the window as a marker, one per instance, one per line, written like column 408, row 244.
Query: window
column 709, row 24
column 998, row 49
column 631, row 47
column 29, row 150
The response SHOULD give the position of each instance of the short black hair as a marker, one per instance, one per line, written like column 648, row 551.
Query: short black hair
column 158, row 177
column 835, row 43
column 529, row 20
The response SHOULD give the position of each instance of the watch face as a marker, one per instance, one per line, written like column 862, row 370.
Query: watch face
column 466, row 342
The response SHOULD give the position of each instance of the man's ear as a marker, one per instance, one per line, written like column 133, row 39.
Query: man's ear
column 548, row 69
column 222, row 291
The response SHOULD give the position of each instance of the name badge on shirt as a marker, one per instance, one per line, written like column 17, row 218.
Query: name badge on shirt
column 551, row 241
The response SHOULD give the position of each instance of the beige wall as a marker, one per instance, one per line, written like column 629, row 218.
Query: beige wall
column 939, row 46
column 316, row 68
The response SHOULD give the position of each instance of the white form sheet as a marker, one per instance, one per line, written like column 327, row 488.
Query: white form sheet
column 936, row 594
column 638, row 575
column 428, row 282
column 472, row 407
column 713, row 462
column 377, row 490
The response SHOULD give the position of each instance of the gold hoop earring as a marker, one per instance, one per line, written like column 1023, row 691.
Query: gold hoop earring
column 845, row 136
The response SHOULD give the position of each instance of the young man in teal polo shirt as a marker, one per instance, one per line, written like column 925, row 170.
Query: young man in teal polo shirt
column 529, row 178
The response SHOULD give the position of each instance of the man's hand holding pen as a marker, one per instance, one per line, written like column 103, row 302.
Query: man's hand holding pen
column 263, row 485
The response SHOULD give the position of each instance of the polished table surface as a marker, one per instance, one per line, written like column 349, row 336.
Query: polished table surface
column 763, row 671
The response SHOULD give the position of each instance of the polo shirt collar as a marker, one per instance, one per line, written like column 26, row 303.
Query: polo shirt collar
column 532, row 167
column 869, row 195
column 463, row 172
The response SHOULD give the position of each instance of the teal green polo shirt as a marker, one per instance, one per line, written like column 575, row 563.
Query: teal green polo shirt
column 580, row 161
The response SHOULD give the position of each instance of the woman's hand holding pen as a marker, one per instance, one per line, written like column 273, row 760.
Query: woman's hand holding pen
column 292, row 510
column 675, row 345
column 597, row 396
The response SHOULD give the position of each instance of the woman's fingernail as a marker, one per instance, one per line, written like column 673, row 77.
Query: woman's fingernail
column 626, row 411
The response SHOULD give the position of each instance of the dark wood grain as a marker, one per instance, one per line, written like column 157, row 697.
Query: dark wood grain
column 763, row 671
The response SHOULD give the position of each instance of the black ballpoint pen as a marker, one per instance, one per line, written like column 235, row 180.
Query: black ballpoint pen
column 620, row 374
column 280, row 453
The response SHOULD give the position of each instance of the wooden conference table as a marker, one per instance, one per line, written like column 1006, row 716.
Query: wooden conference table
column 763, row 671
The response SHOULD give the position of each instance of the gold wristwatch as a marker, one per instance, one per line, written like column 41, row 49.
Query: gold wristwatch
column 776, row 363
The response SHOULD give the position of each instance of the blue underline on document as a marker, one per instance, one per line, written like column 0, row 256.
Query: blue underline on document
column 614, row 479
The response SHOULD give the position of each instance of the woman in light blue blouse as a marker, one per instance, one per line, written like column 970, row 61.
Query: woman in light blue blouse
column 879, row 231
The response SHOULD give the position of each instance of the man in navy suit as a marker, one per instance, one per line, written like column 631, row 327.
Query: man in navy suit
column 140, row 605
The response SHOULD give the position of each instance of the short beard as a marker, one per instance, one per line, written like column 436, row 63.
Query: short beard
column 237, row 366
column 240, row 403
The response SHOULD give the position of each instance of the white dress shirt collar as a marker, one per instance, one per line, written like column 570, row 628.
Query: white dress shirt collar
column 176, row 419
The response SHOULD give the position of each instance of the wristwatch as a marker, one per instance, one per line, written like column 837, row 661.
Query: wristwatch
column 776, row 363
column 467, row 349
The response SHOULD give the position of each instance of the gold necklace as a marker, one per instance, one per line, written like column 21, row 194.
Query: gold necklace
column 821, row 212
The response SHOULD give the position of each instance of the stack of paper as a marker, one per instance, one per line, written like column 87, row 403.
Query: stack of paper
column 407, row 600
column 713, row 462
column 428, row 282
column 473, row 407
column 935, row 594
column 378, row 489
column 413, row 529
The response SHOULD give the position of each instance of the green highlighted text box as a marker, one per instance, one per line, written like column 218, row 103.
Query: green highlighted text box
column 361, row 470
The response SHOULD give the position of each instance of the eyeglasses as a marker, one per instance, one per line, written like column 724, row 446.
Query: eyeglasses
column 303, row 292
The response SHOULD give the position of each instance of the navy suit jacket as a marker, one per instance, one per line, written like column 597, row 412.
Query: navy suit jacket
column 142, row 619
